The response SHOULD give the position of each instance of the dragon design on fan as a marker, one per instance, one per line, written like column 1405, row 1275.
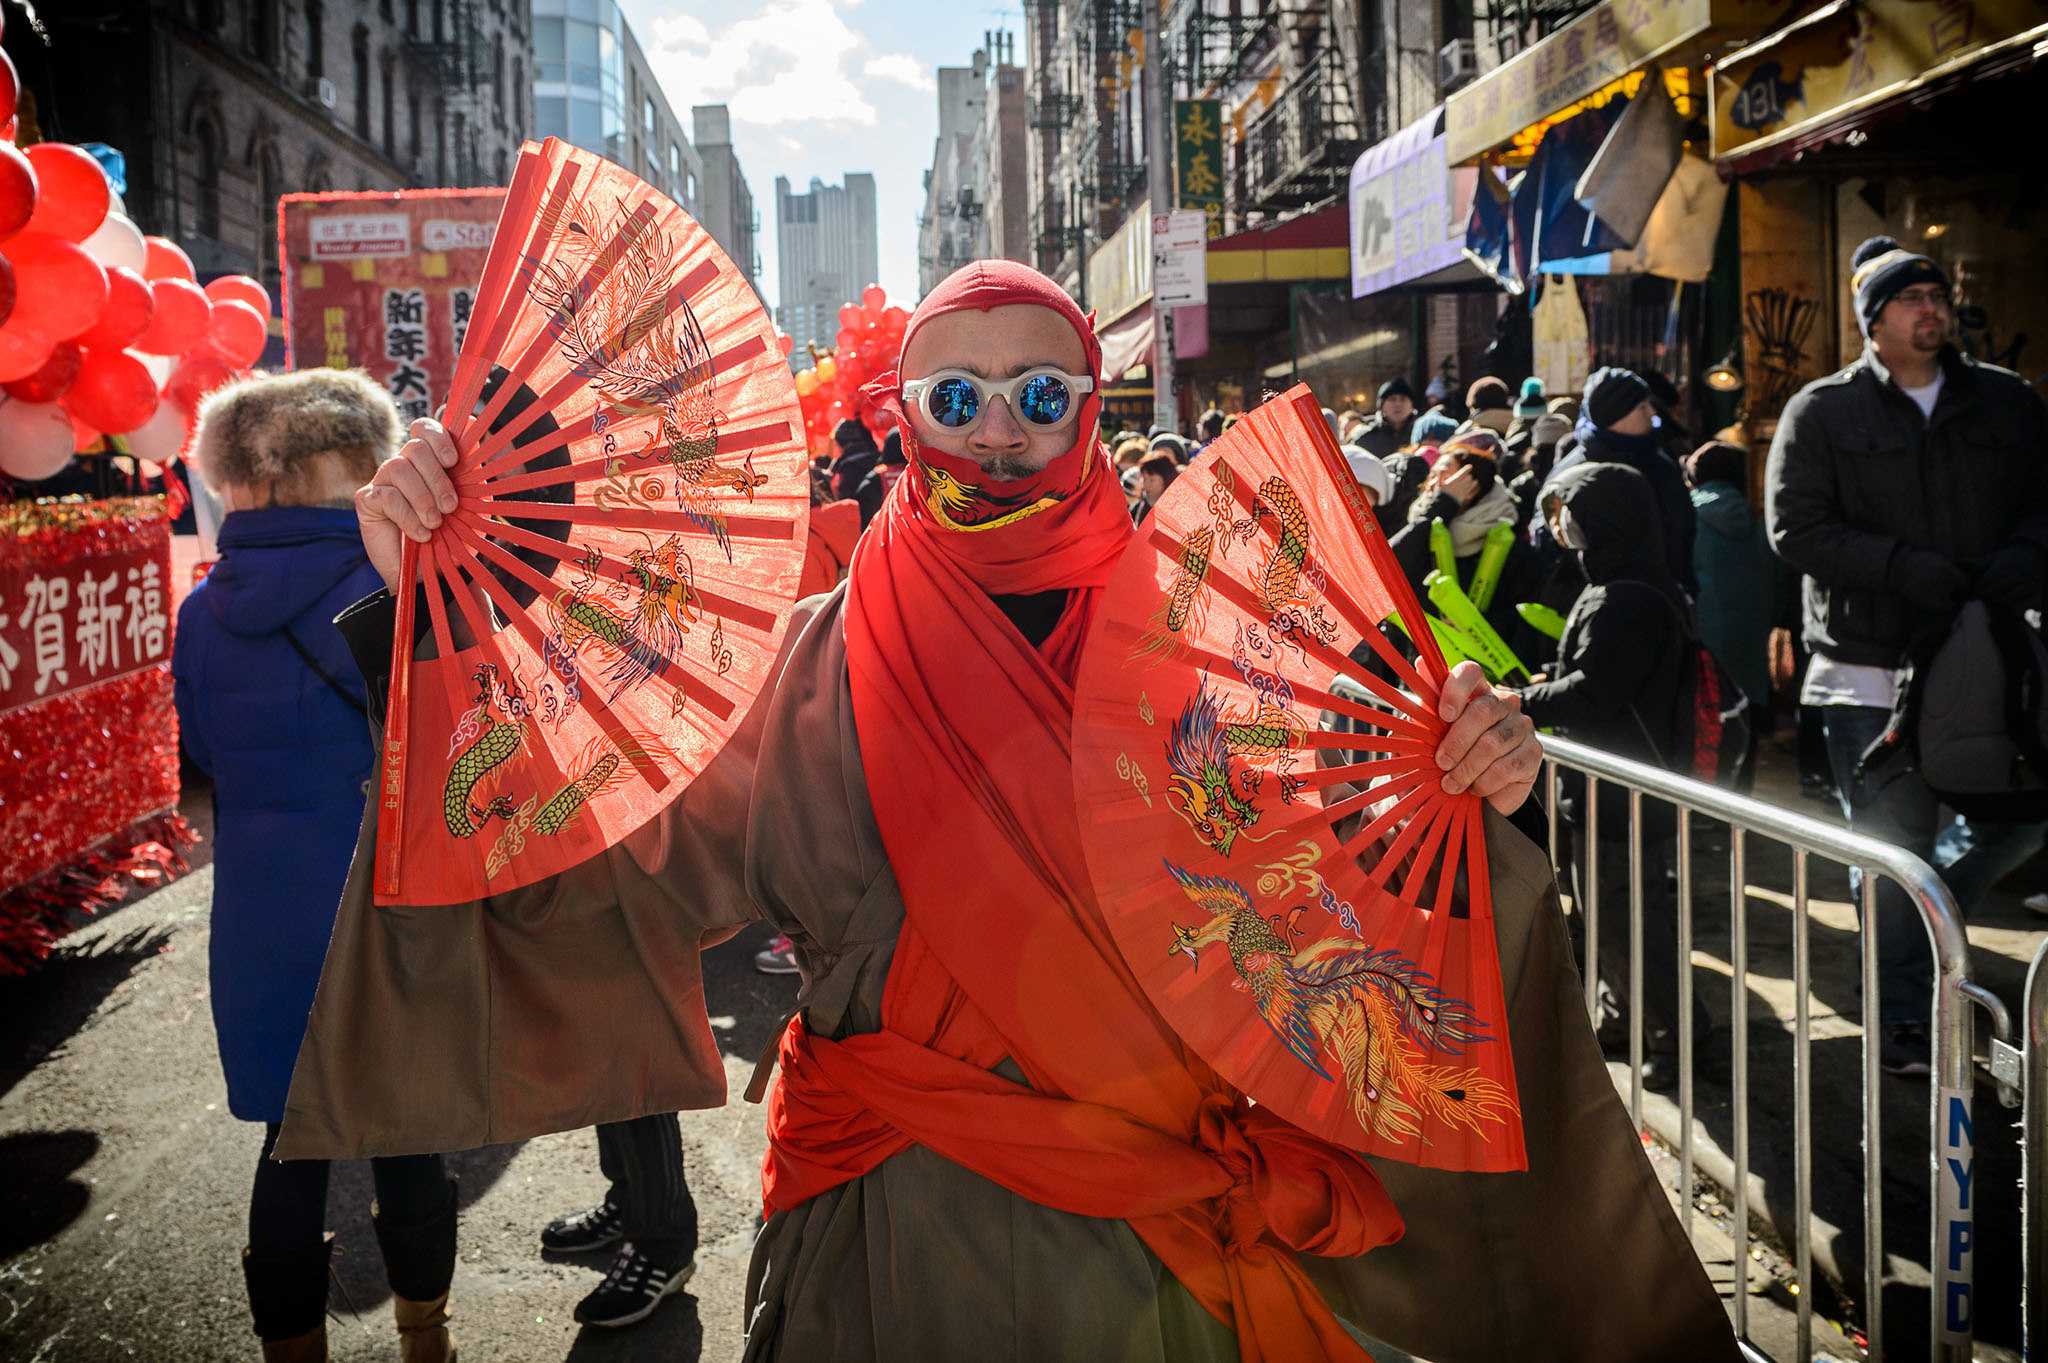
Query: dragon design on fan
column 1212, row 782
column 637, row 623
column 1186, row 607
column 1375, row 1014
column 487, row 737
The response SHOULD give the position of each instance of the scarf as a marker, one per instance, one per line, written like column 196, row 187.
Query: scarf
column 1495, row 506
column 966, row 730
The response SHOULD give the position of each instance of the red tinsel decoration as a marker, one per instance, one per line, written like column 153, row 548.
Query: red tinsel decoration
column 34, row 916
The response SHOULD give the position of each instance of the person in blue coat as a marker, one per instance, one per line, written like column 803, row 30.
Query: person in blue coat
column 1744, row 587
column 272, row 707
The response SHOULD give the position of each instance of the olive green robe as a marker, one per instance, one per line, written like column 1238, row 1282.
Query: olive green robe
column 579, row 1001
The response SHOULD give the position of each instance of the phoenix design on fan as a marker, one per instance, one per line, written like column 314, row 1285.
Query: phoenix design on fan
column 616, row 313
column 1374, row 1013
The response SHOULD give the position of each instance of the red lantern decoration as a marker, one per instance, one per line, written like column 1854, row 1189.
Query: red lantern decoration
column 167, row 260
column 195, row 377
column 178, row 320
column 237, row 333
column 72, row 194
column 241, row 288
column 126, row 316
column 17, row 189
column 50, row 382
column 873, row 299
column 10, row 88
column 113, row 393
column 59, row 290
column 21, row 355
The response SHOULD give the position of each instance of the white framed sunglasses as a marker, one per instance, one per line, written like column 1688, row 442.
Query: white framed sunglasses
column 955, row 400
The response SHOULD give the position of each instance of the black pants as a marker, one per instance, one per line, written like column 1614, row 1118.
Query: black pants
column 1660, row 914
column 288, row 1205
column 643, row 1158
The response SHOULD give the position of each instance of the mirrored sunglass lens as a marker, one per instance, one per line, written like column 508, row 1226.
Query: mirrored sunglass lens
column 952, row 402
column 1044, row 400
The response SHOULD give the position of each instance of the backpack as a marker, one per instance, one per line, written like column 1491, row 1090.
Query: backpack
column 1972, row 716
column 1713, row 706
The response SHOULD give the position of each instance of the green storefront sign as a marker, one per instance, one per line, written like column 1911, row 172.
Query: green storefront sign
column 1198, row 157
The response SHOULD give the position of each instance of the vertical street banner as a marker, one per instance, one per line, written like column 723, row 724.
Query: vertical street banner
column 1198, row 158
column 384, row 282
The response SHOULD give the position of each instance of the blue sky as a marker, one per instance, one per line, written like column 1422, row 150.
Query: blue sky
column 821, row 87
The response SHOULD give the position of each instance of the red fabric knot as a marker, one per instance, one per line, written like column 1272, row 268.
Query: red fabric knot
column 1294, row 1188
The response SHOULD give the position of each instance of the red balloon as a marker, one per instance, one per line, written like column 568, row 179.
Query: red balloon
column 167, row 260
column 59, row 289
column 786, row 341
column 894, row 319
column 6, row 291
column 72, row 194
column 243, row 289
column 849, row 314
column 20, row 354
column 873, row 299
column 10, row 88
column 126, row 316
column 114, row 392
column 50, row 382
column 195, row 377
column 17, row 190
column 179, row 320
column 237, row 333
column 83, row 437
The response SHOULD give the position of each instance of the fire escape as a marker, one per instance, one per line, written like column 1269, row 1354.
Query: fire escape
column 448, row 46
column 1053, row 111
column 1105, row 35
column 1517, row 24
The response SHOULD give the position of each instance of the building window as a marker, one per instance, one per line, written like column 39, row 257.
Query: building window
column 316, row 45
column 384, row 8
column 440, row 21
column 440, row 142
column 503, row 178
column 412, row 18
column 498, row 77
column 650, row 115
column 263, row 31
column 519, row 96
column 359, row 51
column 206, row 178
column 548, row 53
column 675, row 167
column 269, row 184
column 462, row 160
column 390, row 123
column 412, row 113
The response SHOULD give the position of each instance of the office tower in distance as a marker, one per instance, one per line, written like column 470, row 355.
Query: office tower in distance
column 825, row 255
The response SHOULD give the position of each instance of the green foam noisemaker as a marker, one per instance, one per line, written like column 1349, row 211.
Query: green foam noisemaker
column 1541, row 618
column 1440, row 548
column 1494, row 654
column 1492, row 559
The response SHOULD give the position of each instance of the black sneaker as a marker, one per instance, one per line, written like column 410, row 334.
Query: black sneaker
column 580, row 1232
column 632, row 1289
column 1903, row 1049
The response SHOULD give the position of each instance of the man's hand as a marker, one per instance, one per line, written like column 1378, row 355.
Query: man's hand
column 2013, row 578
column 407, row 498
column 1491, row 748
column 1463, row 484
column 1783, row 662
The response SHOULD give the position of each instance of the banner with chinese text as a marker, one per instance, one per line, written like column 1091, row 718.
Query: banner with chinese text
column 85, row 687
column 385, row 282
column 1198, row 158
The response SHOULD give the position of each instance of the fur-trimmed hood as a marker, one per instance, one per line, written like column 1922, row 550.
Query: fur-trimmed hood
column 269, row 429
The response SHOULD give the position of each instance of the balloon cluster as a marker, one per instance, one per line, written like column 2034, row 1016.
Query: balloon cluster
column 102, row 330
column 870, row 337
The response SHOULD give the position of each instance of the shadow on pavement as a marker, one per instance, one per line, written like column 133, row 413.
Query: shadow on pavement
column 673, row 1334
column 43, row 1009
column 358, row 1270
column 745, row 1006
column 39, row 1197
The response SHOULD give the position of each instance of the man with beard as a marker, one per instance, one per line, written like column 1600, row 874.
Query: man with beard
column 1902, row 486
column 985, row 1142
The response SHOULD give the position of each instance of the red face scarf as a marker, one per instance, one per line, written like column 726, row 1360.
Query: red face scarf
column 965, row 733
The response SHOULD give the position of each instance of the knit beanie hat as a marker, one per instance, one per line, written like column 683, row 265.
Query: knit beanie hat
column 1879, row 269
column 1611, row 394
column 1395, row 388
column 1369, row 471
column 1717, row 461
column 1487, row 394
column 1549, row 428
column 1531, row 403
column 849, row 434
column 1432, row 428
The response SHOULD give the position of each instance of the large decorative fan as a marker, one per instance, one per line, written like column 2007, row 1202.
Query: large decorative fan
column 612, row 590
column 1265, row 823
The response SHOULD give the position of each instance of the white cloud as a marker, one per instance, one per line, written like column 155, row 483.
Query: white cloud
column 786, row 63
column 902, row 68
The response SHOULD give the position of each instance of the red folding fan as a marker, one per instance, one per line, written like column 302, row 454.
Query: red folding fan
column 1265, row 823
column 609, row 595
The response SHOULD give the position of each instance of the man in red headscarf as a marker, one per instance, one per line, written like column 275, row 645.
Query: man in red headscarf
column 984, row 1141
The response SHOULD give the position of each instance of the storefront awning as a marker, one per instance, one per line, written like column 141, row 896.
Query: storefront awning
column 1408, row 210
column 1126, row 343
column 1586, row 56
column 1309, row 246
column 1853, row 61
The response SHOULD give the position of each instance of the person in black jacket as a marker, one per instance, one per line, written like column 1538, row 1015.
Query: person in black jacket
column 1620, row 669
column 1464, row 490
column 1618, row 424
column 1910, row 481
column 888, row 467
column 857, row 454
column 1388, row 428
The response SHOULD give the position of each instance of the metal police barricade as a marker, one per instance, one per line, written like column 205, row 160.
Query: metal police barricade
column 2032, row 1062
column 1950, row 1116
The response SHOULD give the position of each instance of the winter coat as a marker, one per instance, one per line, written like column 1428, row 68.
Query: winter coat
column 1520, row 577
column 853, row 464
column 1667, row 489
column 835, row 529
column 1619, row 665
column 874, row 487
column 1410, row 471
column 1742, row 586
column 290, row 757
column 1381, row 436
column 1857, row 476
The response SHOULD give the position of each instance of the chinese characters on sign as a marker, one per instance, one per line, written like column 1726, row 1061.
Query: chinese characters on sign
column 1198, row 149
column 402, row 315
column 66, row 626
